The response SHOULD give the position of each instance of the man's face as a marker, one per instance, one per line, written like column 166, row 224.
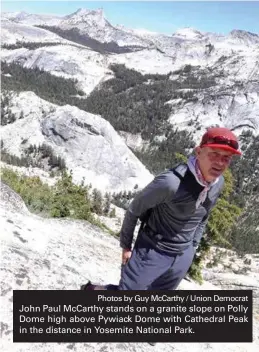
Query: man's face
column 213, row 162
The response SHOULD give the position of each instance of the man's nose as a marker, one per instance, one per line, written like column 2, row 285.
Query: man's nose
column 222, row 160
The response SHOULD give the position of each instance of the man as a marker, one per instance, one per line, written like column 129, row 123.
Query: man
column 178, row 203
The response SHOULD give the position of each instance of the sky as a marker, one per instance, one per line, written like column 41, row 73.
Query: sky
column 158, row 16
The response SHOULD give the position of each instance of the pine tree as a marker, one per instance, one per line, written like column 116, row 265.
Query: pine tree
column 97, row 202
column 218, row 230
column 107, row 204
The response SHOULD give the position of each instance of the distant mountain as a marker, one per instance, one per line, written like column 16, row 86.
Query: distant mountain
column 95, row 25
column 188, row 33
column 144, row 83
column 13, row 32
column 31, row 19
column 244, row 37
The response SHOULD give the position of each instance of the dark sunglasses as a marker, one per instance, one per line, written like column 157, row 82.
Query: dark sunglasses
column 223, row 140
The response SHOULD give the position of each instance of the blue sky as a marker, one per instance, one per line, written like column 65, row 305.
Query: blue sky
column 158, row 16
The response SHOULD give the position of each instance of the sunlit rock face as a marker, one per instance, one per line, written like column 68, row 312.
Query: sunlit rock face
column 48, row 254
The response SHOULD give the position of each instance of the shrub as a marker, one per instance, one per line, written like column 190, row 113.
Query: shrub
column 64, row 199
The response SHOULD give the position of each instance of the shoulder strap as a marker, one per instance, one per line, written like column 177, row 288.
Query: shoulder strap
column 180, row 170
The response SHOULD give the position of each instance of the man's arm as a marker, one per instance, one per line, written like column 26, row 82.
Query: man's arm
column 156, row 192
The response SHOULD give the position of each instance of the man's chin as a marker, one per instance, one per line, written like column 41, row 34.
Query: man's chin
column 214, row 175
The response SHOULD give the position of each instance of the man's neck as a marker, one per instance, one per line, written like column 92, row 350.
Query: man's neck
column 200, row 174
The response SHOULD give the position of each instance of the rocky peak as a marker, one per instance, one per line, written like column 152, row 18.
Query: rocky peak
column 90, row 17
column 94, row 24
column 85, row 12
column 21, row 16
column 30, row 19
column 15, row 15
column 244, row 37
column 188, row 33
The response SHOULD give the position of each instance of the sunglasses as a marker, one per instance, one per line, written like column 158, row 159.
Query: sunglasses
column 223, row 140
column 213, row 156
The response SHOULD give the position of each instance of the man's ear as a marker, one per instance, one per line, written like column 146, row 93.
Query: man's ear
column 197, row 151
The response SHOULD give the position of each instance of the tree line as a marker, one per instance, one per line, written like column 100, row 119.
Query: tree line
column 41, row 156
column 75, row 36
column 130, row 101
column 29, row 45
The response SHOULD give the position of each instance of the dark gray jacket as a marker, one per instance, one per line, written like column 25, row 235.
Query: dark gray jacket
column 174, row 223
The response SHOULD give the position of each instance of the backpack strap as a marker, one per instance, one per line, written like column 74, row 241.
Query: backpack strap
column 180, row 171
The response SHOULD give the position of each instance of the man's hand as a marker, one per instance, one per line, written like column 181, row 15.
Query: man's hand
column 126, row 254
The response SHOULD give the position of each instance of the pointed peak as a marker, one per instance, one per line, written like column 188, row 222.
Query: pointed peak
column 100, row 11
column 81, row 12
column 85, row 16
column 85, row 12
